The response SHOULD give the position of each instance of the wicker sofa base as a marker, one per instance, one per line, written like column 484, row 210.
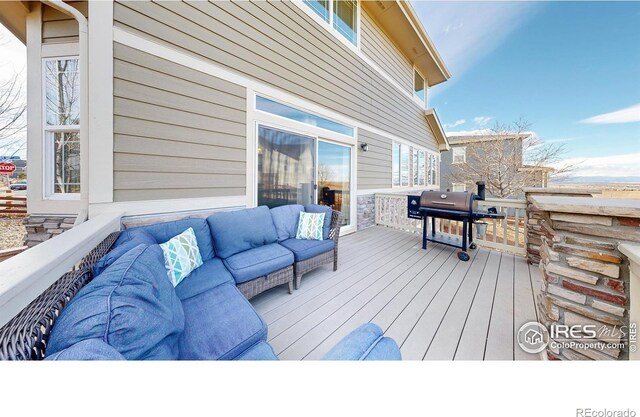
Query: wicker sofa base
column 302, row 267
column 254, row 287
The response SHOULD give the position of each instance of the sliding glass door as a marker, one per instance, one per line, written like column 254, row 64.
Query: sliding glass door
column 291, row 164
column 286, row 167
column 334, row 178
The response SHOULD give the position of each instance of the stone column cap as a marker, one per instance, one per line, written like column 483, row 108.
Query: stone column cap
column 587, row 205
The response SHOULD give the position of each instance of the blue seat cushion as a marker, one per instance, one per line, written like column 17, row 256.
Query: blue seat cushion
column 326, row 226
column 131, row 306
column 207, row 276
column 260, row 352
column 126, row 242
column 162, row 232
column 258, row 262
column 365, row 343
column 219, row 324
column 237, row 231
column 304, row 249
column 87, row 350
column 285, row 219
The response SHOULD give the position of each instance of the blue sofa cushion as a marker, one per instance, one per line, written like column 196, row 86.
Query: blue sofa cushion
column 315, row 208
column 237, row 231
column 219, row 324
column 131, row 306
column 285, row 219
column 365, row 343
column 304, row 249
column 258, row 262
column 162, row 232
column 260, row 352
column 207, row 276
column 125, row 242
column 87, row 350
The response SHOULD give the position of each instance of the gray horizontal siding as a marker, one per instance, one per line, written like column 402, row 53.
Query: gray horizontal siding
column 278, row 44
column 377, row 46
column 178, row 133
column 59, row 27
column 374, row 166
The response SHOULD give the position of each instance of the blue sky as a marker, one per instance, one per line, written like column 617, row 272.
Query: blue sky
column 572, row 69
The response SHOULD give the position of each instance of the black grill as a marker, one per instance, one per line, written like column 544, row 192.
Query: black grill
column 455, row 206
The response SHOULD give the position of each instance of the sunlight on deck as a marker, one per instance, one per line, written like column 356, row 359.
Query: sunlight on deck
column 434, row 305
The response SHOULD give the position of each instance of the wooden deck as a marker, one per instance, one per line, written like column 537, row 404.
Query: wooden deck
column 433, row 305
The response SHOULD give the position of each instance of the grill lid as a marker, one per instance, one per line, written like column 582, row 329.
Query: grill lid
column 447, row 200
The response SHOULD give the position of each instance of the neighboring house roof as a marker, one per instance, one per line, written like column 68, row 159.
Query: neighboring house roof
column 400, row 21
column 465, row 139
column 13, row 15
column 436, row 127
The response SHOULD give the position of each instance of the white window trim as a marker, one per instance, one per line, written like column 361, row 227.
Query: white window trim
column 458, row 184
column 427, row 154
column 329, row 25
column 47, row 145
column 464, row 155
column 421, row 103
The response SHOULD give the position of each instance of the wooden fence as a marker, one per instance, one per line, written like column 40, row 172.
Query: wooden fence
column 10, row 204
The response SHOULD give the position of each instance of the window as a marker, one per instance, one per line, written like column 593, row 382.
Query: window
column 419, row 169
column 459, row 155
column 419, row 87
column 342, row 15
column 282, row 110
column 432, row 169
column 62, row 126
column 400, row 165
column 457, row 187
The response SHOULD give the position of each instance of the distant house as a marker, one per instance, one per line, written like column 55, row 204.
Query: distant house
column 495, row 159
column 220, row 105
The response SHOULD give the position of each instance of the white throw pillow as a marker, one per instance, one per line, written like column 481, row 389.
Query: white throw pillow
column 181, row 255
column 310, row 226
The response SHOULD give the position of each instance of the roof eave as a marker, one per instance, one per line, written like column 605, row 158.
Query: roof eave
column 13, row 16
column 436, row 127
column 399, row 21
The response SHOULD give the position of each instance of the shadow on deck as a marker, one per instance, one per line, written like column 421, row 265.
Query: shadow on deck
column 431, row 303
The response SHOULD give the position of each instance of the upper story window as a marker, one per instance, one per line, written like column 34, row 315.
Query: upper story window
column 459, row 155
column 419, row 87
column 62, row 126
column 342, row 15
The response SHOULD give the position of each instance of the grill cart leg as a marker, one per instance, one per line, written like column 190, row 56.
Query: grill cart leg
column 464, row 234
column 424, row 231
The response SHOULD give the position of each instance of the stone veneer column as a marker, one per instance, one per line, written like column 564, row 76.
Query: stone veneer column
column 366, row 211
column 41, row 228
column 586, row 277
column 536, row 221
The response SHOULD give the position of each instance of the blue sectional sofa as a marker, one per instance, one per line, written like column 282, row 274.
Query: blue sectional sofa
column 130, row 310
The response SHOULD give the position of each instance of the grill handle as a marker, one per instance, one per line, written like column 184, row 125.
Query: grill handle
column 444, row 203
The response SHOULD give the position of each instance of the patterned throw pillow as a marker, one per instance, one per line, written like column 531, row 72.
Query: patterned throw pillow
column 181, row 255
column 310, row 226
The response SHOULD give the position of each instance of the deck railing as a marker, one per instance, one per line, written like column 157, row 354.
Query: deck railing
column 28, row 274
column 507, row 235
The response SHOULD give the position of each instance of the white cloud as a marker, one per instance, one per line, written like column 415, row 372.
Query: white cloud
column 13, row 53
column 482, row 120
column 454, row 124
column 609, row 166
column 627, row 115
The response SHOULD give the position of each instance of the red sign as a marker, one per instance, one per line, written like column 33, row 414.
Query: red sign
column 7, row 168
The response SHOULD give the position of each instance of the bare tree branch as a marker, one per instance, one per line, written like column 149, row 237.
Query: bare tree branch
column 508, row 159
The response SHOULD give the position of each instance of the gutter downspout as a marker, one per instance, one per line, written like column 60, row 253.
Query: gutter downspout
column 84, row 104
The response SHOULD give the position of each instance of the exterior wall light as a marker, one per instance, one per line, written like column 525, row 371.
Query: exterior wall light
column 364, row 146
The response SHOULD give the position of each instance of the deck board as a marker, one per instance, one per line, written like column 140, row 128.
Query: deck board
column 432, row 304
